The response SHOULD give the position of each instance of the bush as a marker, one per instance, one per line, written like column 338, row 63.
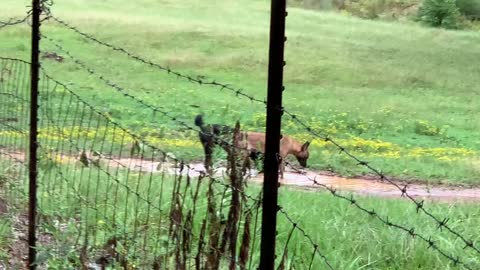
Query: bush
column 314, row 4
column 370, row 9
column 440, row 13
column 469, row 8
column 425, row 128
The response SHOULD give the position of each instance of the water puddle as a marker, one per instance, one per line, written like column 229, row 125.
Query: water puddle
column 304, row 181
column 369, row 187
column 379, row 188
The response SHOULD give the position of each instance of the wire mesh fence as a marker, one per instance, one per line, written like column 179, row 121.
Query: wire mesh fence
column 14, row 122
column 99, row 195
column 106, row 197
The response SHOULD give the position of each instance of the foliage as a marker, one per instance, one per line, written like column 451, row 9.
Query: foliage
column 469, row 8
column 366, row 9
column 345, row 77
column 317, row 4
column 425, row 128
column 440, row 13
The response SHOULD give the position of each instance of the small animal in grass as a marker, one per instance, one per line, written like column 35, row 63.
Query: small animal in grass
column 210, row 136
column 253, row 142
column 288, row 146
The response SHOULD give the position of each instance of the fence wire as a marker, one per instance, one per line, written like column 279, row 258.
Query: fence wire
column 101, row 194
column 106, row 201
column 184, row 125
column 232, row 187
column 441, row 222
column 411, row 231
column 14, row 123
column 109, row 198
column 15, row 21
column 142, row 201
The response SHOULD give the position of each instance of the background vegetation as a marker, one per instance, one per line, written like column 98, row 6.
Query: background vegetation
column 401, row 96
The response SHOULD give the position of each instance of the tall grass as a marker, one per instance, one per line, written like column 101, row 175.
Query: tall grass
column 345, row 76
column 79, row 207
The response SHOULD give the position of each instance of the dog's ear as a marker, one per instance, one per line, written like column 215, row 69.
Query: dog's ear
column 305, row 146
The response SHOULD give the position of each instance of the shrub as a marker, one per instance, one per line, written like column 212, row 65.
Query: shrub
column 425, row 128
column 314, row 4
column 370, row 9
column 469, row 8
column 440, row 13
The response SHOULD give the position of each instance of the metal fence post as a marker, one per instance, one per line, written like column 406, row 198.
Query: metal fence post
column 33, row 140
column 272, row 147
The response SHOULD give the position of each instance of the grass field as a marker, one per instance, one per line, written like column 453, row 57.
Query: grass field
column 348, row 239
column 75, row 200
column 401, row 96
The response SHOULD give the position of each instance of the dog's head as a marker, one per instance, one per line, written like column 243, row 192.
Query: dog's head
column 303, row 155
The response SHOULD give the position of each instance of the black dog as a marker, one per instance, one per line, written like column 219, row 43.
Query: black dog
column 221, row 135
column 211, row 135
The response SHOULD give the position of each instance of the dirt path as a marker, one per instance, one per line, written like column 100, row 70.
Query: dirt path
column 372, row 187
column 369, row 187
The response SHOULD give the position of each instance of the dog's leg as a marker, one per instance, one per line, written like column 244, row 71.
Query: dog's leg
column 247, row 166
column 208, row 163
column 282, row 169
column 257, row 157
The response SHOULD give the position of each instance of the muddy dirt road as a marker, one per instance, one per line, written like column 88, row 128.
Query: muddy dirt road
column 369, row 187
column 294, row 179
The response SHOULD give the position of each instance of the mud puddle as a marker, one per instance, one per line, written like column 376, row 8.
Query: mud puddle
column 368, row 187
column 372, row 187
column 292, row 178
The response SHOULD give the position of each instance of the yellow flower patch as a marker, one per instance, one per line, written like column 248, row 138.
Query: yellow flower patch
column 356, row 145
column 378, row 148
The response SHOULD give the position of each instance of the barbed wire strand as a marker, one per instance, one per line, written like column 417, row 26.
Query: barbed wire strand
column 386, row 220
column 419, row 205
column 238, row 92
column 165, row 113
column 15, row 21
column 441, row 222
column 124, row 92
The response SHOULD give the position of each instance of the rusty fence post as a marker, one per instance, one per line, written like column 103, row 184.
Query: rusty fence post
column 33, row 139
column 272, row 147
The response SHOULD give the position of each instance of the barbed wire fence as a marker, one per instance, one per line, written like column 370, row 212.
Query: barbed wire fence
column 239, row 92
column 109, row 197
column 83, row 154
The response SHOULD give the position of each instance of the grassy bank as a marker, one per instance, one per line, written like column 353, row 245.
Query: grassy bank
column 86, row 206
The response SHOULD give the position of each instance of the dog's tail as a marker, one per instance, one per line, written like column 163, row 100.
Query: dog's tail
column 199, row 121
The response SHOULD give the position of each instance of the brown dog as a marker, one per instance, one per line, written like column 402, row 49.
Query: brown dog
column 288, row 146
column 250, row 144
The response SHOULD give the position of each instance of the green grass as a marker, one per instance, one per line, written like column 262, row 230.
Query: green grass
column 5, row 235
column 345, row 76
column 75, row 201
column 406, row 86
column 12, row 200
column 339, row 227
